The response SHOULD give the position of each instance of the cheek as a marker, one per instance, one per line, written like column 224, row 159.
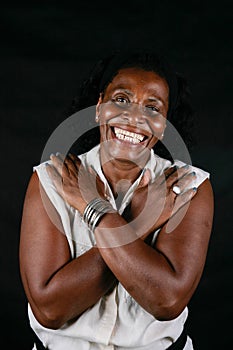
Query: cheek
column 108, row 111
column 157, row 125
column 102, row 133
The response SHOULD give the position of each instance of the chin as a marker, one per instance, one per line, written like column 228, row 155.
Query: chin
column 126, row 153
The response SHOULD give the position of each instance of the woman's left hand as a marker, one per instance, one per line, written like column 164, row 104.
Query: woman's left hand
column 154, row 203
column 77, row 185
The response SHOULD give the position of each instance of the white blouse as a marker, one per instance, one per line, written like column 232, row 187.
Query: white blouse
column 116, row 321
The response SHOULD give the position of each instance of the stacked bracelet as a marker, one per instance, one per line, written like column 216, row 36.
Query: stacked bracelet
column 95, row 210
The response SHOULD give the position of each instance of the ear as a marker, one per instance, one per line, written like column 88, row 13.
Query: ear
column 162, row 135
column 98, row 107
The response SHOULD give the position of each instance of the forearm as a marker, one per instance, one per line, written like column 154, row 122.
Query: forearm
column 136, row 265
column 75, row 287
column 161, row 279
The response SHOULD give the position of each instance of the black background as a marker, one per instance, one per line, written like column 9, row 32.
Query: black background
column 46, row 50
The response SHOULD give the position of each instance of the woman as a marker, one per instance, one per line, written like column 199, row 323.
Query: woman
column 135, row 228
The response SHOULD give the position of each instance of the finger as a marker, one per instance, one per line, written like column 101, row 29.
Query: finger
column 145, row 180
column 58, row 163
column 100, row 187
column 166, row 173
column 183, row 199
column 76, row 160
column 177, row 175
column 55, row 177
column 94, row 174
column 67, row 162
column 70, row 164
column 187, row 181
column 61, row 157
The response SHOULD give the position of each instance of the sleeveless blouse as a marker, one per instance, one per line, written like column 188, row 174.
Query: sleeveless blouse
column 116, row 321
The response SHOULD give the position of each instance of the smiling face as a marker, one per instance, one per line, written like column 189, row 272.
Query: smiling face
column 132, row 114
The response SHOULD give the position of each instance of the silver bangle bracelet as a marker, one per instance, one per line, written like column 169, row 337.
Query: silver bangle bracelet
column 94, row 210
column 88, row 210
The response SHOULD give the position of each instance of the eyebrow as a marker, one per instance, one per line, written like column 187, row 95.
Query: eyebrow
column 122, row 89
column 156, row 99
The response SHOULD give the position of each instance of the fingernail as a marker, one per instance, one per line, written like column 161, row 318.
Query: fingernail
column 195, row 189
column 193, row 173
column 46, row 164
column 52, row 155
column 58, row 154
column 186, row 166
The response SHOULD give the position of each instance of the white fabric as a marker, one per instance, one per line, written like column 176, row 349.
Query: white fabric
column 116, row 321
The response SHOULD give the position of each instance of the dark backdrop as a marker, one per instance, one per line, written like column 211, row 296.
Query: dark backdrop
column 46, row 50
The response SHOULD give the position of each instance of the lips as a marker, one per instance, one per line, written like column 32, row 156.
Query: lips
column 128, row 136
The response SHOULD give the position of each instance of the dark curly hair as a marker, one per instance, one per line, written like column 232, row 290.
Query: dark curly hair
column 180, row 113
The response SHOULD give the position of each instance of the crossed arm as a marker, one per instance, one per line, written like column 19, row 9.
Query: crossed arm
column 60, row 288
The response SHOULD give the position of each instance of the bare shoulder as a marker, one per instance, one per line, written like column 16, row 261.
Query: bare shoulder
column 201, row 208
column 204, row 194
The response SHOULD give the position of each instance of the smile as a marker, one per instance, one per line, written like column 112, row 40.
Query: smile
column 128, row 136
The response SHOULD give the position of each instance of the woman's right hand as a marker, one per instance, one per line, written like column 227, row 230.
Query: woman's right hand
column 154, row 203
column 77, row 185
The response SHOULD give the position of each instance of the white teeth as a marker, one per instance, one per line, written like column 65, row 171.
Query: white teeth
column 120, row 136
column 128, row 136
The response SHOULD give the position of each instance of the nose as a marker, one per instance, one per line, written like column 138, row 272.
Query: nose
column 134, row 114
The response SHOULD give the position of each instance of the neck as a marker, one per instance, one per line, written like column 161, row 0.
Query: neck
column 120, row 174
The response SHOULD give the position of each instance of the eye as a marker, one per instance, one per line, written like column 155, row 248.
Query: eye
column 120, row 100
column 152, row 110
